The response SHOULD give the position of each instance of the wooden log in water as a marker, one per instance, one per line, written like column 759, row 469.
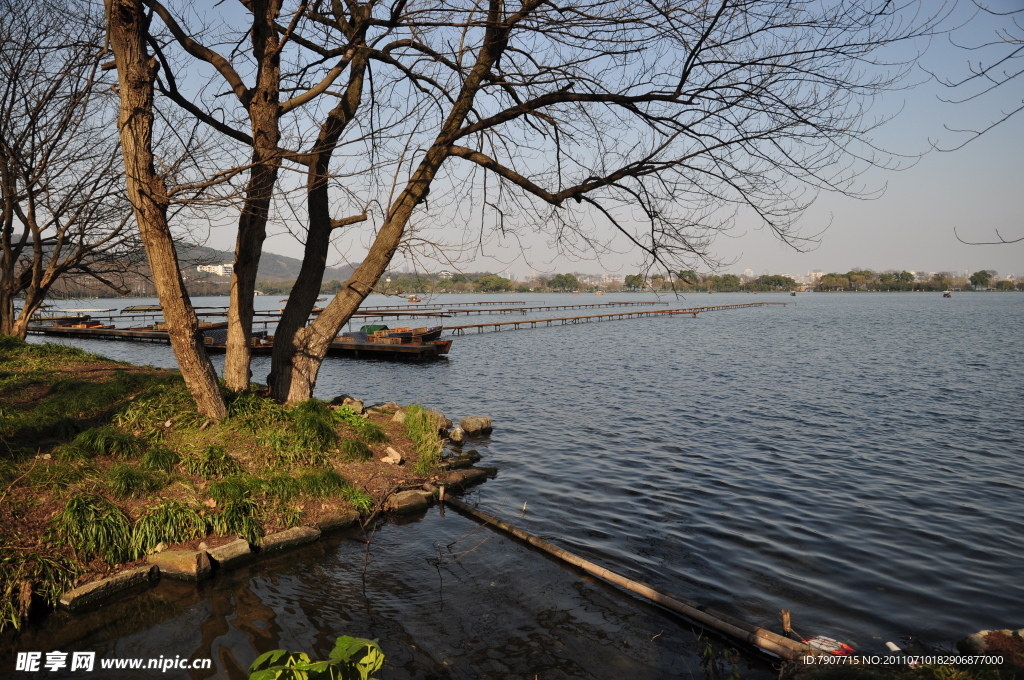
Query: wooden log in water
column 754, row 635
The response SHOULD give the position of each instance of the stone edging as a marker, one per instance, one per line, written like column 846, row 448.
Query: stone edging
column 198, row 565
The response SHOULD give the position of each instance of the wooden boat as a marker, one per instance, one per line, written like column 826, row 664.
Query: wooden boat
column 413, row 298
column 948, row 294
column 405, row 334
column 371, row 348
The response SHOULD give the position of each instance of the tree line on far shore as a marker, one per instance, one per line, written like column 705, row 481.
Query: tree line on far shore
column 865, row 279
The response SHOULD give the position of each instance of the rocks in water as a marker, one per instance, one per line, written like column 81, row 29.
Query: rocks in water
column 353, row 403
column 405, row 502
column 393, row 457
column 385, row 409
column 443, row 423
column 458, row 462
column 457, row 436
column 231, row 555
column 462, row 479
column 186, row 565
column 289, row 538
column 339, row 521
column 476, row 425
column 97, row 591
column 991, row 642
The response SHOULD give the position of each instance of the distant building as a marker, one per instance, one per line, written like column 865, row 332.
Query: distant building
column 445, row 275
column 218, row 269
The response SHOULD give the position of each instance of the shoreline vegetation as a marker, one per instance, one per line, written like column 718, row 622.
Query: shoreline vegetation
column 103, row 464
column 403, row 284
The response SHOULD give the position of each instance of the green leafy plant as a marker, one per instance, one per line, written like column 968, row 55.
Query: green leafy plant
column 291, row 516
column 126, row 481
column 24, row 572
column 165, row 399
column 351, row 659
column 169, row 522
column 369, row 432
column 92, row 525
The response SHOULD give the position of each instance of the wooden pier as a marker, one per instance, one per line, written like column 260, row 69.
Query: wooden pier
column 613, row 316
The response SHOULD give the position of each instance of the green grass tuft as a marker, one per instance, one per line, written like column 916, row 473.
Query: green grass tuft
column 233, row 488
column 237, row 517
column 290, row 515
column 213, row 461
column 127, row 481
column 254, row 413
column 322, row 484
column 23, row 572
column 283, row 487
column 92, row 525
column 369, row 432
column 355, row 450
column 360, row 500
column 165, row 399
column 160, row 458
column 105, row 441
column 313, row 424
column 169, row 522
column 422, row 427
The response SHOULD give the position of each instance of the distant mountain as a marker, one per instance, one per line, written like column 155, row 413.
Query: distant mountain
column 273, row 267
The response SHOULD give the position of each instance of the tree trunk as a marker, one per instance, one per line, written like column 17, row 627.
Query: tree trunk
column 318, row 237
column 252, row 223
column 148, row 194
column 296, row 361
column 7, row 314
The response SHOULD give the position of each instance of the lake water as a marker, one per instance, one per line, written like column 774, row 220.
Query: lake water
column 855, row 458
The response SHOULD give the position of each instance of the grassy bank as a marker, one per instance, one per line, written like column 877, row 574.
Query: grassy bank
column 102, row 462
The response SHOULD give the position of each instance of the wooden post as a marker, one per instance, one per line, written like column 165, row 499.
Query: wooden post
column 786, row 627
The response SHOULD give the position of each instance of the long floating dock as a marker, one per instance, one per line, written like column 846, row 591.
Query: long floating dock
column 614, row 316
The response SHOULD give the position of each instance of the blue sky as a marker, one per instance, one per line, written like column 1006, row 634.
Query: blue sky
column 977, row 190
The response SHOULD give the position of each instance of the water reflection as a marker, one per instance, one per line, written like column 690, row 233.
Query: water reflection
column 490, row 608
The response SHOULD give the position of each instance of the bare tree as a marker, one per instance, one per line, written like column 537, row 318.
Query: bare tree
column 60, row 173
column 1003, row 53
column 147, row 189
column 662, row 121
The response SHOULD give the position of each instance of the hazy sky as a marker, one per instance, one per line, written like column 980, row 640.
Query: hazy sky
column 977, row 190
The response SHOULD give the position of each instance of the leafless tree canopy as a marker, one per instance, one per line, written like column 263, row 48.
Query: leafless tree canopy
column 658, row 121
column 994, row 64
column 60, row 174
